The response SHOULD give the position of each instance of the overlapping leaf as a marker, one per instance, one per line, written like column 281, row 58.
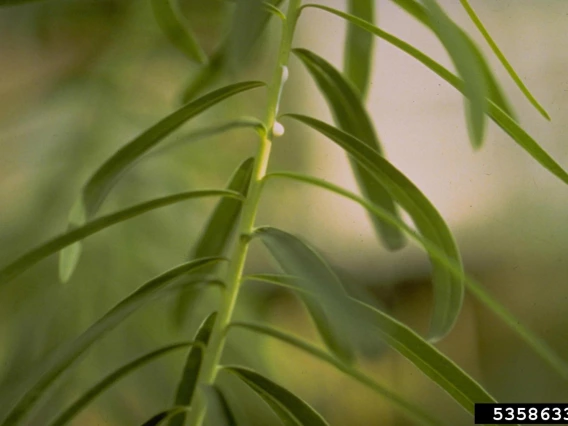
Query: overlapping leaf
column 102, row 181
column 351, row 116
column 448, row 291
column 62, row 360
column 187, row 385
column 218, row 408
column 218, row 233
column 496, row 112
column 177, row 29
column 298, row 259
column 291, row 409
column 358, row 51
column 75, row 408
column 26, row 261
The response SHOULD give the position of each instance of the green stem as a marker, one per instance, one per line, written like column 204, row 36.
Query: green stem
column 208, row 371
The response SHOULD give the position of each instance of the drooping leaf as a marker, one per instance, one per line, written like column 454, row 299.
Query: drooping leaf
column 220, row 229
column 75, row 408
column 496, row 112
column 65, row 357
column 475, row 19
column 351, row 116
column 218, row 408
column 163, row 416
column 448, row 291
column 547, row 354
column 358, row 51
column 408, row 408
column 106, row 176
column 26, row 261
column 177, row 29
column 291, row 409
column 495, row 92
column 467, row 65
column 296, row 258
column 188, row 381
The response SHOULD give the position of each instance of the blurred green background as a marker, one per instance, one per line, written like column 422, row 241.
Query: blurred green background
column 80, row 78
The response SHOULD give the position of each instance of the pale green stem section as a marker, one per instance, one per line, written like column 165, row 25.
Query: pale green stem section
column 216, row 344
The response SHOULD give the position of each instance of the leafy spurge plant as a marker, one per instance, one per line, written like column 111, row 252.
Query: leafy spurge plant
column 344, row 323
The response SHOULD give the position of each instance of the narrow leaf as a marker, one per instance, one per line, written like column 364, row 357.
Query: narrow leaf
column 540, row 347
column 473, row 16
column 64, row 358
column 448, row 291
column 217, row 406
column 496, row 112
column 111, row 379
column 298, row 259
column 188, row 382
column 495, row 92
column 177, row 30
column 351, row 116
column 220, row 229
column 409, row 409
column 162, row 416
column 275, row 394
column 467, row 65
column 102, row 181
column 358, row 51
column 26, row 261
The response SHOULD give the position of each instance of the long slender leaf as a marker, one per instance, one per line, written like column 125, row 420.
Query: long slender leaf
column 546, row 353
column 358, row 50
column 220, row 229
column 102, row 181
column 351, row 116
column 72, row 351
column 497, row 113
column 448, row 291
column 410, row 410
column 188, row 382
column 296, row 258
column 26, row 261
column 473, row 16
column 79, row 404
column 163, row 416
column 275, row 395
column 177, row 30
column 467, row 66
column 218, row 408
column 495, row 92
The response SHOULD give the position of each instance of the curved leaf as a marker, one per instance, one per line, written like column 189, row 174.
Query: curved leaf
column 24, row 262
column 409, row 409
column 111, row 379
column 64, row 358
column 467, row 65
column 177, row 30
column 291, row 409
column 495, row 92
column 220, row 229
column 218, row 407
column 475, row 19
column 358, row 51
column 162, row 416
column 546, row 353
column 327, row 294
column 102, row 181
column 188, row 382
column 496, row 112
column 351, row 116
column 448, row 291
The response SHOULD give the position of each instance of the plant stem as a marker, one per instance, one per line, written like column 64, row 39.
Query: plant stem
column 208, row 371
